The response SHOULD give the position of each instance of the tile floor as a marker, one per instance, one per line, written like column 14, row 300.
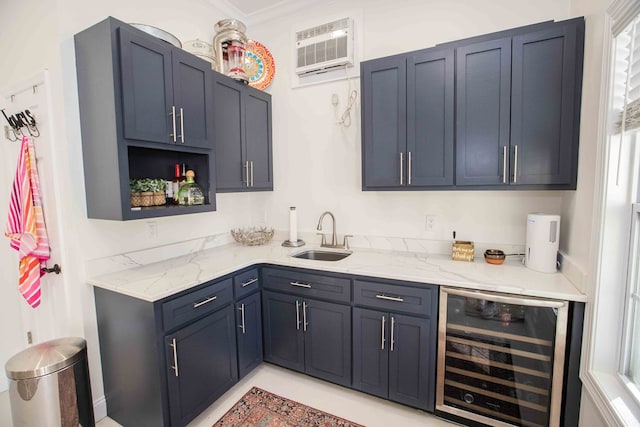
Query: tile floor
column 352, row 405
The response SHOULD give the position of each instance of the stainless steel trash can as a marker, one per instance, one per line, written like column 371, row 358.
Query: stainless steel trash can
column 49, row 385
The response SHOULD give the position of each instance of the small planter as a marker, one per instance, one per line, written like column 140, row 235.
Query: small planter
column 159, row 198
column 147, row 192
column 146, row 199
column 136, row 200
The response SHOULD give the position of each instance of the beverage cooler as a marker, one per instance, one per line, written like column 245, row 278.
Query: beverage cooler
column 501, row 358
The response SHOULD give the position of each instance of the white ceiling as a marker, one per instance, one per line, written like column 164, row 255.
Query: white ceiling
column 254, row 11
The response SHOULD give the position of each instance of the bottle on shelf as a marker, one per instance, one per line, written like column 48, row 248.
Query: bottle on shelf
column 176, row 182
column 190, row 193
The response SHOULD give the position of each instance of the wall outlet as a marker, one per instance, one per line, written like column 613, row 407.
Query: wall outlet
column 152, row 230
column 430, row 223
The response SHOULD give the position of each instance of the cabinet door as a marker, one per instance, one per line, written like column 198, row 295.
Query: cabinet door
column 282, row 330
column 249, row 333
column 257, row 106
column 327, row 341
column 543, row 127
column 483, row 84
column 384, row 120
column 201, row 364
column 147, row 93
column 430, row 80
column 411, row 361
column 370, row 351
column 192, row 92
column 231, row 172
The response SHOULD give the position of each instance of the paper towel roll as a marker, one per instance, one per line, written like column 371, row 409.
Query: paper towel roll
column 293, row 224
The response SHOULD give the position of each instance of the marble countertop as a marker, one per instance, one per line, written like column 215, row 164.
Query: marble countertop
column 155, row 281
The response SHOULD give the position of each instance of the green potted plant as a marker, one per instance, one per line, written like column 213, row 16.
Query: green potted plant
column 158, row 186
column 136, row 193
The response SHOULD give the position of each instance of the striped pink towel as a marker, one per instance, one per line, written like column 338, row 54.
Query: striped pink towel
column 25, row 225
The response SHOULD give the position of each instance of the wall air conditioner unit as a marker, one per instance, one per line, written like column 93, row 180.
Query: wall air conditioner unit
column 324, row 47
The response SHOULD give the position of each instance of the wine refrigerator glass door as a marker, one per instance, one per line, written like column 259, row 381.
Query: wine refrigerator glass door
column 501, row 358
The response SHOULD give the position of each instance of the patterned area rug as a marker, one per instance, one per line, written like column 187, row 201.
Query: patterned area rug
column 263, row 409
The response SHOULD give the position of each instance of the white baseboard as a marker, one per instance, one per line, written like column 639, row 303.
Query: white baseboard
column 100, row 408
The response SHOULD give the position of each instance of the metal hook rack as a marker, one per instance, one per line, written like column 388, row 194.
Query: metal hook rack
column 55, row 269
column 24, row 119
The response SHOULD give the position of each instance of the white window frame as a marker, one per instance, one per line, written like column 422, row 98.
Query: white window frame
column 604, row 339
column 632, row 301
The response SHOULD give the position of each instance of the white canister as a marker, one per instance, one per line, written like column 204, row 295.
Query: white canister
column 542, row 242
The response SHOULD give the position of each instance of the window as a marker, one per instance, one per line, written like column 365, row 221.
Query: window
column 611, row 373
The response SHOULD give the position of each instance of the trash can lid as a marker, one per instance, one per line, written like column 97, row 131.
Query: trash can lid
column 45, row 358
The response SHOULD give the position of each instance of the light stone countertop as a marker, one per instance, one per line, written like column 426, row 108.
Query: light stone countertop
column 155, row 281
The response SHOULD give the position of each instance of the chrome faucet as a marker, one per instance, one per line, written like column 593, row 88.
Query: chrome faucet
column 334, row 237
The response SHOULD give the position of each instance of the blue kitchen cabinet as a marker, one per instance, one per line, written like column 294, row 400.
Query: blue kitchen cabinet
column 202, row 364
column 166, row 92
column 517, row 106
column 144, row 106
column 483, row 83
column 408, row 120
column 513, row 122
column 249, row 333
column 242, row 116
column 546, row 87
column 394, row 350
column 303, row 333
column 164, row 362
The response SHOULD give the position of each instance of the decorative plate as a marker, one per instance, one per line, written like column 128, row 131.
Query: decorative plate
column 260, row 66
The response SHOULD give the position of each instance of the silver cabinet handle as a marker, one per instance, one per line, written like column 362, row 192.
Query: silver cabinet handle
column 297, row 315
column 242, row 317
column 300, row 285
column 203, row 302
column 401, row 167
column 384, row 297
column 504, row 164
column 251, row 163
column 382, row 338
column 393, row 324
column 175, row 356
column 304, row 316
column 505, row 299
column 246, row 173
column 181, row 125
column 515, row 165
column 249, row 282
column 173, row 120
column 409, row 168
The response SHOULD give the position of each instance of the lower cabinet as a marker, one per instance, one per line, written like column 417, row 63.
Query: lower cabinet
column 391, row 357
column 164, row 362
column 249, row 333
column 202, row 364
column 308, row 335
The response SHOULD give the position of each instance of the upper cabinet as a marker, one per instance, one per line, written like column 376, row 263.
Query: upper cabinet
column 145, row 106
column 166, row 92
column 242, row 116
column 518, row 104
column 483, row 82
column 516, row 112
column 408, row 120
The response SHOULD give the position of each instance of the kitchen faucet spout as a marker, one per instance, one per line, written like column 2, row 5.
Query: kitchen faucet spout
column 334, row 239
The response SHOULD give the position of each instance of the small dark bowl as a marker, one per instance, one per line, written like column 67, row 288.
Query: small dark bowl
column 494, row 256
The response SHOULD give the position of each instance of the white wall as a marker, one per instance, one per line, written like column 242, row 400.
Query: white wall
column 318, row 163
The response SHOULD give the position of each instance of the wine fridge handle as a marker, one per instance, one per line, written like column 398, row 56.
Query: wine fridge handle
column 506, row 299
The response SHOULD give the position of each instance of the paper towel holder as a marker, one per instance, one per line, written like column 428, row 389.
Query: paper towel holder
column 290, row 244
column 293, row 241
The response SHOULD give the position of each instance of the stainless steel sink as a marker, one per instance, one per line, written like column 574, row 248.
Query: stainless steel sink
column 320, row 255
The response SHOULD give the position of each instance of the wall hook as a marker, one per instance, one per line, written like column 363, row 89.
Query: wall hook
column 7, row 134
column 56, row 269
